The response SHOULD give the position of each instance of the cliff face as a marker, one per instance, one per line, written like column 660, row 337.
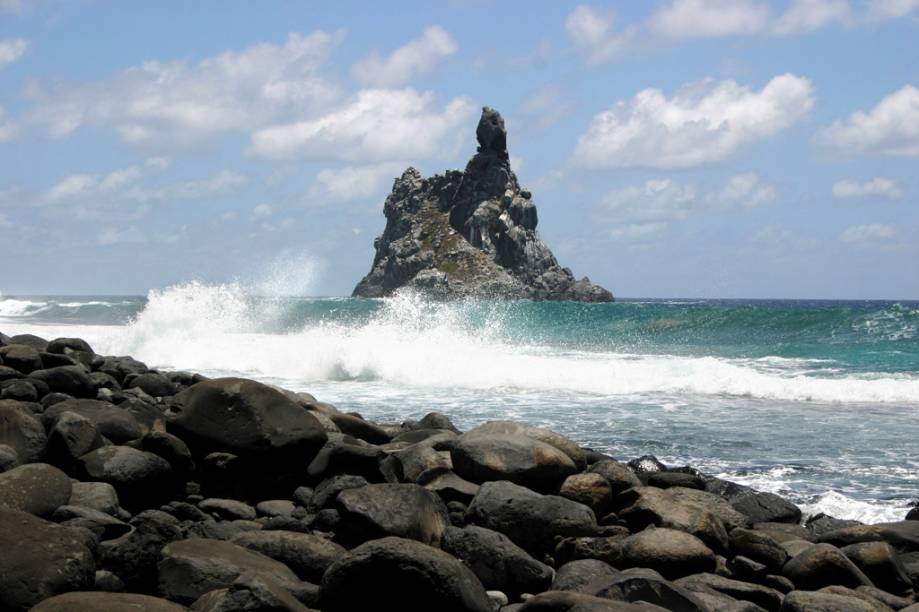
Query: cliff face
column 470, row 234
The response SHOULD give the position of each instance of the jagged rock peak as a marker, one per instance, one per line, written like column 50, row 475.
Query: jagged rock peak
column 470, row 234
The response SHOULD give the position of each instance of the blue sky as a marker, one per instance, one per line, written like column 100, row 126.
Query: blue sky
column 707, row 148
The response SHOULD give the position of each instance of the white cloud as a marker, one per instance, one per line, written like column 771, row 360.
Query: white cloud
column 354, row 182
column 746, row 190
column 890, row 128
column 784, row 238
column 687, row 19
column 702, row 123
column 416, row 57
column 879, row 187
column 808, row 15
column 11, row 50
column 220, row 182
column 591, row 31
column 374, row 125
column 4, row 221
column 666, row 199
column 879, row 10
column 114, row 235
column 262, row 210
column 182, row 102
column 8, row 129
column 868, row 232
column 77, row 186
column 635, row 232
column 73, row 186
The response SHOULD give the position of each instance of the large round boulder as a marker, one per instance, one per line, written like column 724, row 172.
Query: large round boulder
column 513, row 428
column 811, row 601
column 21, row 430
column 114, row 422
column 190, row 568
column 402, row 510
column 36, row 488
column 142, row 479
column 245, row 417
column 823, row 565
column 500, row 564
column 668, row 551
column 517, row 458
column 308, row 555
column 529, row 519
column 98, row 601
column 72, row 380
column 21, row 357
column 40, row 559
column 399, row 574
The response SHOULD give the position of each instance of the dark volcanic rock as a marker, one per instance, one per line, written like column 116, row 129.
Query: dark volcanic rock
column 251, row 591
column 113, row 422
column 670, row 552
column 142, row 479
column 499, row 563
column 529, row 519
column 397, row 574
column 810, row 601
column 519, row 459
column 470, row 233
column 403, row 510
column 308, row 555
column 568, row 601
column 576, row 575
column 39, row 559
column 823, row 565
column 245, row 417
column 96, row 601
column 72, row 380
column 190, row 568
column 21, row 430
column 21, row 357
column 36, row 488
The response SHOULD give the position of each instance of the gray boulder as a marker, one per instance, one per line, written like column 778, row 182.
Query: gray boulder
column 113, row 422
column 39, row 560
column 519, row 459
column 96, row 601
column 809, row 601
column 823, row 565
column 672, row 553
column 22, row 431
column 142, row 479
column 36, row 488
column 403, row 510
column 72, row 380
column 399, row 574
column 308, row 555
column 529, row 519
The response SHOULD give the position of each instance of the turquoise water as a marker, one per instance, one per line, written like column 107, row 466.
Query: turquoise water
column 816, row 400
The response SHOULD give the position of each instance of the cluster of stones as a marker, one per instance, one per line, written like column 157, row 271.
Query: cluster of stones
column 123, row 487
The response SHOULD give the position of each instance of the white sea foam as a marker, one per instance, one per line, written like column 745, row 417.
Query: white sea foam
column 416, row 343
column 843, row 507
column 10, row 307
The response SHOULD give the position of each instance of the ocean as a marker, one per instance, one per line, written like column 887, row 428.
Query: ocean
column 814, row 400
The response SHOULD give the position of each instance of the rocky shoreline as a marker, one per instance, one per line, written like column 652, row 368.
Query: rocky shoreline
column 124, row 487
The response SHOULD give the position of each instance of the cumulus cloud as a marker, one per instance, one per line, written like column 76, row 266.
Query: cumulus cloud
column 262, row 210
column 354, row 182
column 185, row 102
column 11, row 50
column 419, row 56
column 868, row 232
column 373, row 125
column 879, row 187
column 76, row 186
column 666, row 199
column 702, row 123
column 594, row 33
column 891, row 128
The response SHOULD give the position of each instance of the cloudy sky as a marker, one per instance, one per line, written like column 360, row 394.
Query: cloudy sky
column 713, row 148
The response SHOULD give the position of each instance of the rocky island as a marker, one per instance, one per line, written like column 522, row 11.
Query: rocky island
column 470, row 234
column 124, row 487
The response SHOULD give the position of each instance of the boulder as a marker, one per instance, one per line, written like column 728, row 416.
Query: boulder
column 21, row 357
column 133, row 556
column 881, row 564
column 245, row 417
column 62, row 346
column 769, row 599
column 809, row 601
column 402, row 510
column 604, row 548
column 71, row 436
column 153, row 384
column 579, row 574
column 39, row 560
column 451, row 487
column 499, row 563
column 359, row 428
column 227, row 509
column 250, row 591
column 99, row 496
column 758, row 546
column 170, row 448
column 647, row 587
column 541, row 434
column 142, row 479
column 529, row 519
column 20, row 390
column 820, row 524
column 190, row 568
column 72, row 380
column 701, row 514
column 823, row 565
column 32, row 340
column 36, row 488
column 520, row 459
column 275, row 507
column 308, row 555
column 590, row 489
column 98, row 601
column 672, row 553
column 665, row 480
column 103, row 525
column 113, row 422
column 902, row 535
column 22, row 431
column 399, row 574
column 569, row 601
